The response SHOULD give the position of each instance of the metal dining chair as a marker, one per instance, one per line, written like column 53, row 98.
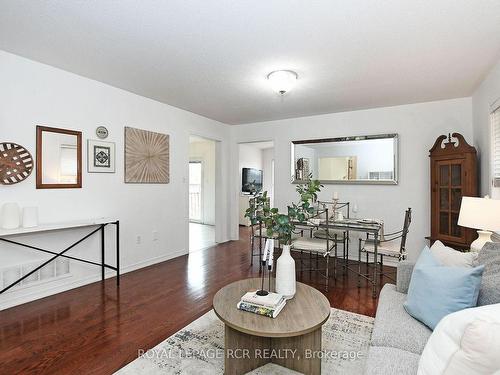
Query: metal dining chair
column 391, row 245
column 341, row 237
column 309, row 247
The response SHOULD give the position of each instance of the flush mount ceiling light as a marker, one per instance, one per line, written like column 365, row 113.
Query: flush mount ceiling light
column 282, row 81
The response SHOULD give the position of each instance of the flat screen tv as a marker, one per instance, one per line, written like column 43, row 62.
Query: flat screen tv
column 251, row 180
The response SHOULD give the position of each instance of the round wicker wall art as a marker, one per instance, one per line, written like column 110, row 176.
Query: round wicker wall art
column 16, row 163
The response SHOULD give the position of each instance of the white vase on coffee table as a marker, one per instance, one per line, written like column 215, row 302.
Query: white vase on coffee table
column 285, row 274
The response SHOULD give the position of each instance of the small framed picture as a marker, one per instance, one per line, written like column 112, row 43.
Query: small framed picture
column 100, row 156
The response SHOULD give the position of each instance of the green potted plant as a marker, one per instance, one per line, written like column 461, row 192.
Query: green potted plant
column 280, row 226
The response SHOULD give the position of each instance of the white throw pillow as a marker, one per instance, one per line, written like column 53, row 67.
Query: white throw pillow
column 452, row 258
column 466, row 342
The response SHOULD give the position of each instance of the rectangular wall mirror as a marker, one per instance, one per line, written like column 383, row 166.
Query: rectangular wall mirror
column 58, row 158
column 371, row 159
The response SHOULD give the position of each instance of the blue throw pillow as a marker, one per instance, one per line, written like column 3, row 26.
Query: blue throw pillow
column 436, row 290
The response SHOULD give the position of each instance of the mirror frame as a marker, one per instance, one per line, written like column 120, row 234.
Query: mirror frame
column 39, row 152
column 394, row 181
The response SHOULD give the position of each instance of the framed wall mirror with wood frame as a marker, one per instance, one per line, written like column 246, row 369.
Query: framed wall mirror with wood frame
column 369, row 159
column 58, row 158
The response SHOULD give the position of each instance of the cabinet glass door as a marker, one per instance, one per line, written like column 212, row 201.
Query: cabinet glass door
column 450, row 179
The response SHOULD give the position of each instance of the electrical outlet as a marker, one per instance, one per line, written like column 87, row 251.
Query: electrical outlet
column 155, row 235
column 138, row 240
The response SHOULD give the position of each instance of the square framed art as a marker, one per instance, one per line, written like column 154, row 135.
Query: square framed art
column 100, row 156
column 147, row 157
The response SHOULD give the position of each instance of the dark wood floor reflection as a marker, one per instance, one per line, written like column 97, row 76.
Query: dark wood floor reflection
column 96, row 329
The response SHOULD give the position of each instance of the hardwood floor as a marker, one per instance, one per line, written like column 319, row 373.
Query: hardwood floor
column 97, row 328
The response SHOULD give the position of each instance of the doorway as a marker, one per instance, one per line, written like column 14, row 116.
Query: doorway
column 256, row 169
column 202, row 174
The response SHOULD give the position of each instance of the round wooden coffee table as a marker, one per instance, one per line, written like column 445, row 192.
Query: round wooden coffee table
column 292, row 339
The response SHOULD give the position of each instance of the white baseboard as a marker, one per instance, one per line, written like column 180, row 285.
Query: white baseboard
column 72, row 283
column 150, row 262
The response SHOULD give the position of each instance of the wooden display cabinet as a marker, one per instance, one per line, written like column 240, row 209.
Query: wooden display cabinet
column 453, row 175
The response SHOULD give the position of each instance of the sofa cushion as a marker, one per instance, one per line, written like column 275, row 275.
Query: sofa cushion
column 387, row 361
column 394, row 327
column 436, row 290
column 450, row 257
column 403, row 276
column 465, row 342
column 489, row 292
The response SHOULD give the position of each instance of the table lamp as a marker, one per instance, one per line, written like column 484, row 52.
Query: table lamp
column 482, row 214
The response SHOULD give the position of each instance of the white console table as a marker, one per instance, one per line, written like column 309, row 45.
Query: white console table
column 101, row 223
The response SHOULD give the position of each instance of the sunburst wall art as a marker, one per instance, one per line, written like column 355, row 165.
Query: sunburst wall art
column 146, row 157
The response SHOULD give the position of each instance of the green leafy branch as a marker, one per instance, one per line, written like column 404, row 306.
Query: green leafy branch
column 279, row 225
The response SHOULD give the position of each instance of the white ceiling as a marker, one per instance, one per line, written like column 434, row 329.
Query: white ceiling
column 212, row 57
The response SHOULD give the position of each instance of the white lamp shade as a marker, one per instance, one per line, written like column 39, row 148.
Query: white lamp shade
column 480, row 213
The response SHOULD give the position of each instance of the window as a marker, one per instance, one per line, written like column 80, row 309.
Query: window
column 195, row 191
column 495, row 124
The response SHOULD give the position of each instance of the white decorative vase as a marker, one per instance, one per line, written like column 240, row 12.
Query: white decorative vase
column 285, row 274
column 11, row 217
column 30, row 217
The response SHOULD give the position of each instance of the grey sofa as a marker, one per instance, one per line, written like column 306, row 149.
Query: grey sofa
column 398, row 340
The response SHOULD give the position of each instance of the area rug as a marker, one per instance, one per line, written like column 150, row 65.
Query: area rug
column 198, row 349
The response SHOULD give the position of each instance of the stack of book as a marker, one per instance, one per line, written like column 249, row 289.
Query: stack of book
column 269, row 305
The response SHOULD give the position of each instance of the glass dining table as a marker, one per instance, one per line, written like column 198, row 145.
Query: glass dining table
column 370, row 226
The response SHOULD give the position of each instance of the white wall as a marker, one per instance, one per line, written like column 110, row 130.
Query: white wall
column 487, row 93
column 267, row 171
column 204, row 151
column 36, row 94
column 418, row 126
